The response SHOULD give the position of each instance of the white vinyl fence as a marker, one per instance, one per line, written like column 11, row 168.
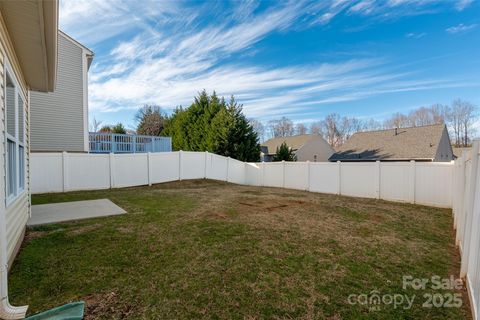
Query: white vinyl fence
column 451, row 185
column 421, row 182
column 466, row 211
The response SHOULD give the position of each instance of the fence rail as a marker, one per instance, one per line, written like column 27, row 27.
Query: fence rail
column 127, row 143
column 421, row 183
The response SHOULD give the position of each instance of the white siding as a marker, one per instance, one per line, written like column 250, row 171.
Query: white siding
column 317, row 147
column 59, row 117
column 17, row 212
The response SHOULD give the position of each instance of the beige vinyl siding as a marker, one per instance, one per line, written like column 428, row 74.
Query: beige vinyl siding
column 58, row 118
column 17, row 215
column 17, row 212
column 316, row 147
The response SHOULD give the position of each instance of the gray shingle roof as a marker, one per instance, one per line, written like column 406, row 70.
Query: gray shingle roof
column 294, row 142
column 415, row 143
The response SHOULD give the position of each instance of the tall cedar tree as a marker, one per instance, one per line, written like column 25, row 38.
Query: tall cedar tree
column 284, row 153
column 211, row 124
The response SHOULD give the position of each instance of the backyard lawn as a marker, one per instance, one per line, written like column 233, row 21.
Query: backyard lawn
column 205, row 249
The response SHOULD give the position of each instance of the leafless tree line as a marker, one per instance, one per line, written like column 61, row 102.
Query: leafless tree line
column 336, row 129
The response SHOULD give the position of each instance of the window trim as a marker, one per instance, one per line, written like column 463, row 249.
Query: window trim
column 9, row 199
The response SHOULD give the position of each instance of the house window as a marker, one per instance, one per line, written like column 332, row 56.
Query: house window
column 15, row 138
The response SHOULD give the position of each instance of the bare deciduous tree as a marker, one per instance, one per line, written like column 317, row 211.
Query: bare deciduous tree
column 316, row 128
column 95, row 125
column 151, row 121
column 259, row 128
column 397, row 120
column 282, row 127
column 300, row 128
column 372, row 124
column 462, row 117
column 335, row 129
column 330, row 129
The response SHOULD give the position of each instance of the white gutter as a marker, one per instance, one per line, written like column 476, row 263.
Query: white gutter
column 7, row 311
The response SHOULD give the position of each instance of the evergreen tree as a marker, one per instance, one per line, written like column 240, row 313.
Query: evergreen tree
column 118, row 128
column 284, row 153
column 211, row 124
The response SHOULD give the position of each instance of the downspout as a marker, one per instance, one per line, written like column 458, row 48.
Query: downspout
column 7, row 311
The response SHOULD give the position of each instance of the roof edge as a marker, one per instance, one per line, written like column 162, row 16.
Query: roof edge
column 49, row 16
column 76, row 42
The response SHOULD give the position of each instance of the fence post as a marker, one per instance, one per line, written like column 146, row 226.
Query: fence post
column 149, row 166
column 460, row 212
column 283, row 173
column 470, row 202
column 339, row 175
column 65, row 170
column 112, row 169
column 228, row 168
column 245, row 166
column 263, row 174
column 180, row 165
column 377, row 179
column 412, row 181
column 114, row 145
column 206, row 157
column 308, row 175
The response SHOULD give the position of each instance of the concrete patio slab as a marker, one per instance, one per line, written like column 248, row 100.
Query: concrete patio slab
column 75, row 210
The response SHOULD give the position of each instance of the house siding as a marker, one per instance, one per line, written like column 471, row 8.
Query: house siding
column 318, row 147
column 17, row 212
column 59, row 118
column 444, row 150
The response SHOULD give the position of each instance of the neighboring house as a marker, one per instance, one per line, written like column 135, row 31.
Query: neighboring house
column 28, row 61
column 310, row 147
column 425, row 143
column 59, row 119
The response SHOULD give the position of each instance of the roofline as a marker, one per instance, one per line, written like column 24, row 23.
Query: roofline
column 385, row 160
column 297, row 135
column 411, row 127
column 49, row 23
column 45, row 36
column 89, row 51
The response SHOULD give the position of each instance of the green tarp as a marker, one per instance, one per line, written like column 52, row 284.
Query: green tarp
column 71, row 311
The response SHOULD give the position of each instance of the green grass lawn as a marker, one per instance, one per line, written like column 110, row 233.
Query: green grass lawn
column 205, row 249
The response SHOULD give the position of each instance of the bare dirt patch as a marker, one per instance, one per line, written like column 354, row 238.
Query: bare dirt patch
column 99, row 305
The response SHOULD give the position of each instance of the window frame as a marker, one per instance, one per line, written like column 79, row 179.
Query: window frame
column 18, row 142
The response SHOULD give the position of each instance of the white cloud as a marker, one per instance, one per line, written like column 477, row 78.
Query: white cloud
column 363, row 7
column 164, row 54
column 415, row 35
column 462, row 4
column 460, row 28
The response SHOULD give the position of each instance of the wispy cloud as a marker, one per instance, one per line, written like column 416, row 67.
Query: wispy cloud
column 165, row 54
column 416, row 35
column 462, row 4
column 460, row 28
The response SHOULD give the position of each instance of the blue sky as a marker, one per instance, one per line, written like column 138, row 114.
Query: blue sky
column 299, row 59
